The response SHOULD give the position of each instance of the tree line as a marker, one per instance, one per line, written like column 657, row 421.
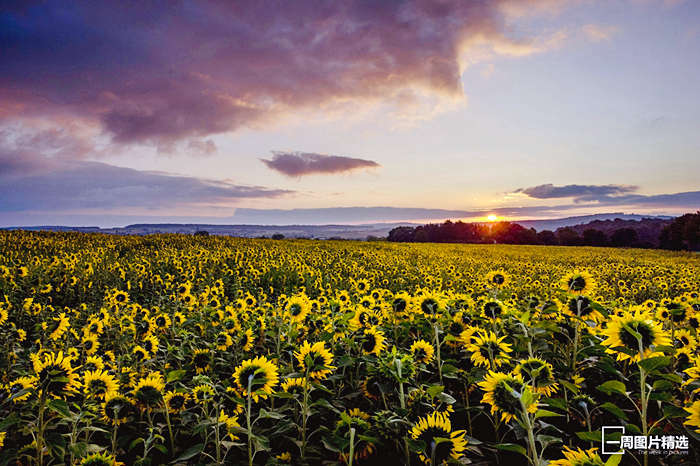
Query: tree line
column 681, row 233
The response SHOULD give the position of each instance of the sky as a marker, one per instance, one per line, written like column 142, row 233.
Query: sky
column 346, row 112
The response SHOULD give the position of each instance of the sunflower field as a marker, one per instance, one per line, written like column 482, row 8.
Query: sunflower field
column 175, row 349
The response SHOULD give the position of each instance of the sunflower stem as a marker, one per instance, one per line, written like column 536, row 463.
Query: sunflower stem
column 304, row 414
column 437, row 349
column 247, row 420
column 352, row 446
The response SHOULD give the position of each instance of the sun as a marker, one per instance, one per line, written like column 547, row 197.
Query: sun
column 492, row 218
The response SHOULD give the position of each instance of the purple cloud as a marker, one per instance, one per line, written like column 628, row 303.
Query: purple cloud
column 153, row 72
column 296, row 164
column 580, row 193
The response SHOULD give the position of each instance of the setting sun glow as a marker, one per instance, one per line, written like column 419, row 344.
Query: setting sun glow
column 492, row 218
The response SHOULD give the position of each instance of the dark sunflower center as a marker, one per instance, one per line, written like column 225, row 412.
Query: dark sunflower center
column 370, row 343
column 295, row 309
column 429, row 306
column 577, row 283
column 399, row 304
column 442, row 449
column 98, row 387
column 630, row 341
column 201, row 360
column 504, row 399
column 177, row 401
column 492, row 309
column 498, row 279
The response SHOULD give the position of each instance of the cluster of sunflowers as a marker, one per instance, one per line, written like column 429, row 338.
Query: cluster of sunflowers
column 198, row 350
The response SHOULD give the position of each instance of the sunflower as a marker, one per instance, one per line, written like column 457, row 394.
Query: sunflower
column 684, row 339
column 116, row 409
column 55, row 374
column 259, row 374
column 294, row 385
column 582, row 307
column 578, row 457
column 315, row 360
column 90, row 344
column 175, row 402
column 149, row 390
column 693, row 419
column 223, row 341
column 578, row 282
column 93, row 363
column 492, row 309
column 373, row 341
column 232, row 425
column 201, row 360
column 57, row 327
column 150, row 343
column 422, row 351
column 497, row 278
column 18, row 385
column 439, row 443
column 430, row 305
column 488, row 350
column 621, row 332
column 245, row 340
column 99, row 384
column 360, row 421
column 538, row 374
column 362, row 285
column 498, row 392
column 140, row 353
column 297, row 308
column 202, row 394
column 98, row 459
column 161, row 321
column 120, row 298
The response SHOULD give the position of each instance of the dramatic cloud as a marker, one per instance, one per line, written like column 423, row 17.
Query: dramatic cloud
column 31, row 182
column 296, row 164
column 154, row 72
column 613, row 195
column 580, row 193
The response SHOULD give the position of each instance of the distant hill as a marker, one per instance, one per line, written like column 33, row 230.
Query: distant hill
column 362, row 231
column 554, row 224
column 380, row 230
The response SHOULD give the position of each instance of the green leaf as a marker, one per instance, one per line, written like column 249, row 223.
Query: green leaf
column 270, row 414
column 545, row 413
column 190, row 453
column 9, row 421
column 435, row 390
column 176, row 375
column 512, row 447
column 614, row 460
column 613, row 386
column 59, row 407
column 593, row 436
column 615, row 410
column 652, row 364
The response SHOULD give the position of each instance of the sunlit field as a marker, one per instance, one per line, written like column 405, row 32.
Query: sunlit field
column 205, row 350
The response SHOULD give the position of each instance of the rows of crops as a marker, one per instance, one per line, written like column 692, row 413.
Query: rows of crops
column 193, row 350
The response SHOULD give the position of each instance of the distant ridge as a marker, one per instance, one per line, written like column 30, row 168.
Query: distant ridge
column 360, row 231
column 554, row 224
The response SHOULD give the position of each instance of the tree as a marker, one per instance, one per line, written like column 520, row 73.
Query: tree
column 277, row 236
column 682, row 233
column 624, row 238
column 593, row 237
column 547, row 237
column 568, row 237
